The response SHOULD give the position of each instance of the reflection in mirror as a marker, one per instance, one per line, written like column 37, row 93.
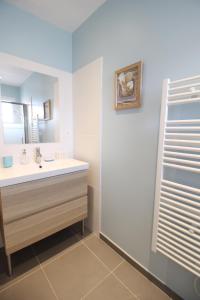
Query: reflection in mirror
column 28, row 106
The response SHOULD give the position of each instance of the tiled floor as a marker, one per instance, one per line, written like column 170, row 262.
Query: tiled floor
column 69, row 267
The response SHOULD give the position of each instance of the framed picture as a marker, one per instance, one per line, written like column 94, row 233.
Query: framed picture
column 47, row 110
column 128, row 86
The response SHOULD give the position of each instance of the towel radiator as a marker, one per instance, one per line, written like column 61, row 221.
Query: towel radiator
column 176, row 228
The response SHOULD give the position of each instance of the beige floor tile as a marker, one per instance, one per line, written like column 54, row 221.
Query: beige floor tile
column 110, row 289
column 157, row 294
column 75, row 273
column 139, row 284
column 23, row 263
column 110, row 258
column 32, row 287
column 55, row 245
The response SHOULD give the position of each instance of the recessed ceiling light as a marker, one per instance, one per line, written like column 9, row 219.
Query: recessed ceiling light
column 1, row 77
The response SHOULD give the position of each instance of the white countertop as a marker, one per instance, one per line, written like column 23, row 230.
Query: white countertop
column 23, row 173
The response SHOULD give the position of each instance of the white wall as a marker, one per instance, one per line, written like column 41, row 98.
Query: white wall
column 65, row 115
column 87, row 98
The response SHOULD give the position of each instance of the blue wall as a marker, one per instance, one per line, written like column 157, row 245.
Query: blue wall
column 164, row 35
column 10, row 91
column 39, row 87
column 26, row 36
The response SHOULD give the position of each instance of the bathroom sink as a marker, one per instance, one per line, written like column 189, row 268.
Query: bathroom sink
column 23, row 173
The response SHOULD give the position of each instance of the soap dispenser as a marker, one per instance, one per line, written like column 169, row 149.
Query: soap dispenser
column 24, row 158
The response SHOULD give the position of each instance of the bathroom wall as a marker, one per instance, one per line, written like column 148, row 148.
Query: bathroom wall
column 87, row 99
column 10, row 92
column 27, row 36
column 164, row 35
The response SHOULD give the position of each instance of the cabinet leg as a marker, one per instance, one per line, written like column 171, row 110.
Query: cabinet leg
column 82, row 227
column 9, row 262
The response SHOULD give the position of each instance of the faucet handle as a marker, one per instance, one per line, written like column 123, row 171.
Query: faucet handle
column 38, row 155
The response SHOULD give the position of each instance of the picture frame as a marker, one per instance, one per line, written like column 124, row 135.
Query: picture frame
column 47, row 110
column 128, row 83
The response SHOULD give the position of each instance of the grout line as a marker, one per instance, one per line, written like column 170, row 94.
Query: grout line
column 117, row 266
column 124, row 285
column 64, row 252
column 23, row 276
column 101, row 281
column 96, row 286
column 122, row 260
column 18, row 280
column 79, row 243
column 140, row 268
column 112, row 272
column 97, row 257
column 45, row 275
column 49, row 282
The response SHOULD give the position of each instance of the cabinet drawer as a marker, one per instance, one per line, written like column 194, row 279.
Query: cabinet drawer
column 24, row 199
column 26, row 231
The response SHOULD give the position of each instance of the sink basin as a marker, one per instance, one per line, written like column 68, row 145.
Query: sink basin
column 23, row 173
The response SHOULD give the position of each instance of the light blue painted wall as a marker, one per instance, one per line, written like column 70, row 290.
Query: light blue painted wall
column 10, row 91
column 39, row 87
column 164, row 35
column 26, row 36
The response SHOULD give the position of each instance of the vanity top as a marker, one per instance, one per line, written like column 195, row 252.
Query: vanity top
column 24, row 173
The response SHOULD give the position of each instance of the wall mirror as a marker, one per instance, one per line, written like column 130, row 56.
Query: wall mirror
column 28, row 106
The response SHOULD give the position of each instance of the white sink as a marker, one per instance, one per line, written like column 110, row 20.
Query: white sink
column 23, row 173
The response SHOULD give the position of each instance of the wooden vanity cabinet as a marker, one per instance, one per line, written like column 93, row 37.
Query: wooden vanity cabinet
column 33, row 210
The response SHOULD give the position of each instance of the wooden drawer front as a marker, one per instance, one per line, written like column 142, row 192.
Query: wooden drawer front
column 24, row 199
column 24, row 232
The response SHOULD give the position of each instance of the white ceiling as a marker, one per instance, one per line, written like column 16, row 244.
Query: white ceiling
column 66, row 14
column 13, row 76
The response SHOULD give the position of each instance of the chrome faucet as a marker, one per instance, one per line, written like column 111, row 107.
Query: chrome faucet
column 38, row 155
